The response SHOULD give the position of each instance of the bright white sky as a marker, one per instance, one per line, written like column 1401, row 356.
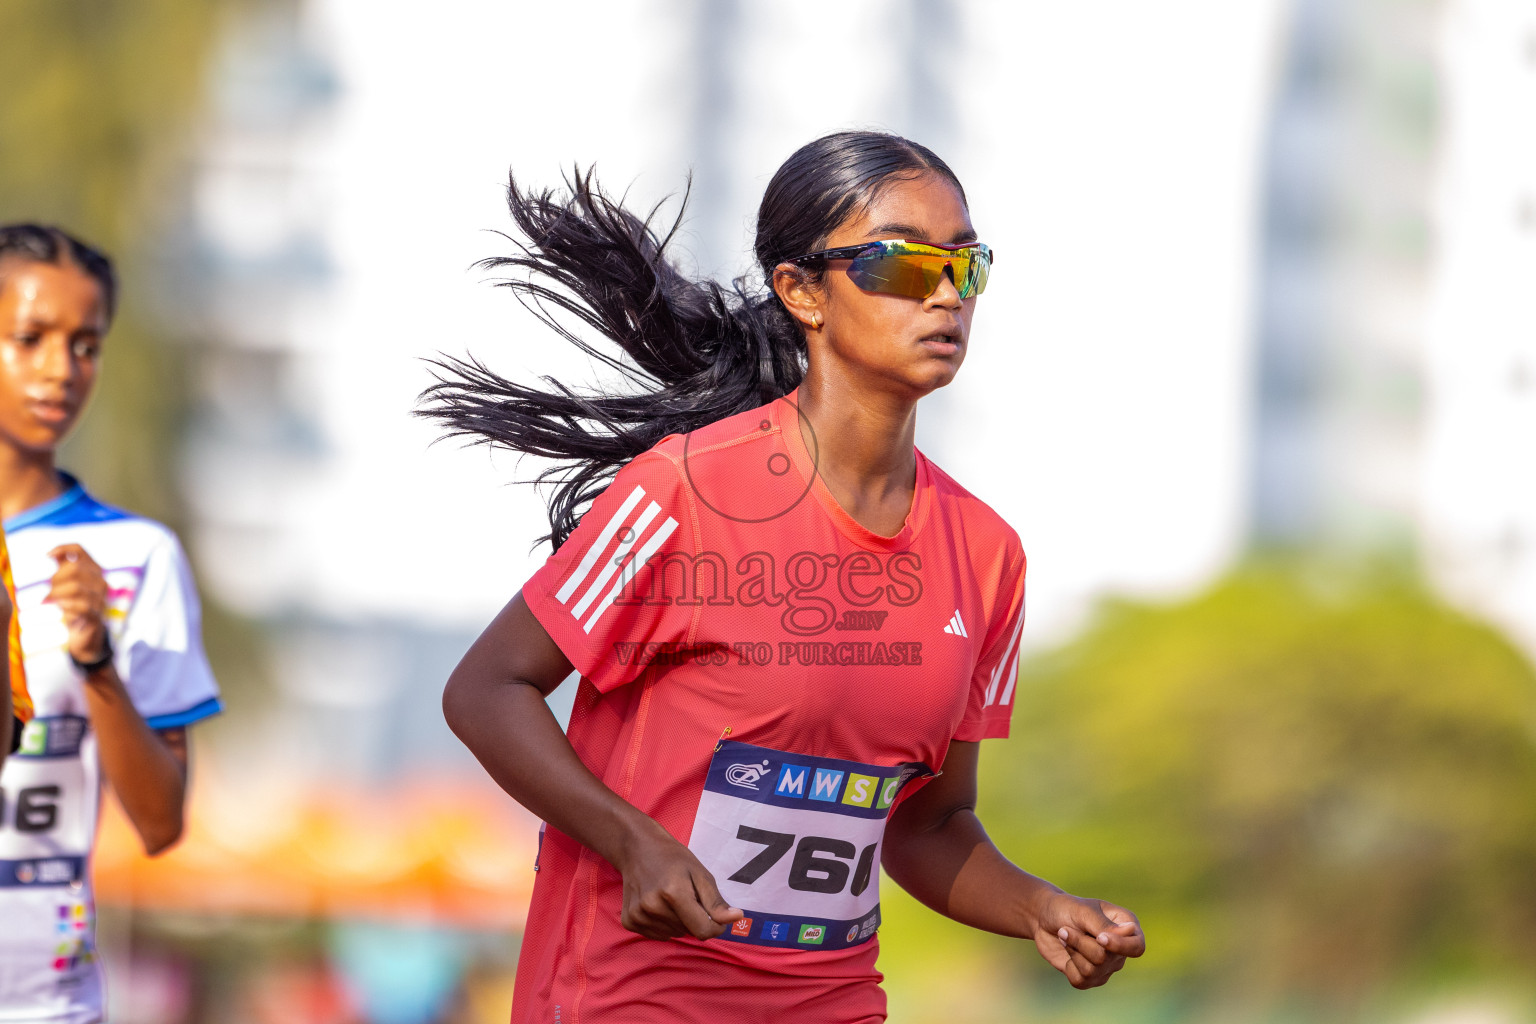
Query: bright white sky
column 1109, row 148
column 1479, row 495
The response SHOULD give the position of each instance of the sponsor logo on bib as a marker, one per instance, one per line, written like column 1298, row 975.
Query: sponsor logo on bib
column 746, row 775
column 775, row 931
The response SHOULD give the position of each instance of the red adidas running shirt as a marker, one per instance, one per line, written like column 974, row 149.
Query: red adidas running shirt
column 766, row 678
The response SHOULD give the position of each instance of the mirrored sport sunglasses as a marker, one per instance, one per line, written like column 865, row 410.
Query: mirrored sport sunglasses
column 904, row 267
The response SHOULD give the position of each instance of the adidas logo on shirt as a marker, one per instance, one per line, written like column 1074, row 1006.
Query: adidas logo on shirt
column 956, row 626
column 599, row 596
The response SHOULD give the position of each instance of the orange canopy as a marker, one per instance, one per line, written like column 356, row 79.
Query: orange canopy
column 449, row 852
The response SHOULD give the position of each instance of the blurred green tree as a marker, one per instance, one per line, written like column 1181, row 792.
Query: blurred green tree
column 1310, row 782
column 98, row 102
column 99, row 107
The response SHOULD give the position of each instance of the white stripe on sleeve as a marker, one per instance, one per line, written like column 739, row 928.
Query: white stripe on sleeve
column 1013, row 678
column 611, row 565
column 657, row 540
column 599, row 545
column 997, row 673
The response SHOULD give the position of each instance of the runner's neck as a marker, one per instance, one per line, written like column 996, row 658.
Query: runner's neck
column 866, row 454
column 27, row 479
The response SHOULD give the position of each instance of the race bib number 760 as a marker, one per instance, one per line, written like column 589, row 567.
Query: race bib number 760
column 794, row 841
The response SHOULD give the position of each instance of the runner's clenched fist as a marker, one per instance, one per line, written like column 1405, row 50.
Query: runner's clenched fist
column 79, row 589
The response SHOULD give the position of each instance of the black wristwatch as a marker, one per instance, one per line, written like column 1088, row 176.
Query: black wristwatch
column 101, row 662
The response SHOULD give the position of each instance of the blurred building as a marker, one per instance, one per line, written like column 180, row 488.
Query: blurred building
column 1344, row 267
column 1396, row 326
column 350, row 707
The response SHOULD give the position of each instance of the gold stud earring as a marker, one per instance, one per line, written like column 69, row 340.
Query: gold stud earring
column 816, row 320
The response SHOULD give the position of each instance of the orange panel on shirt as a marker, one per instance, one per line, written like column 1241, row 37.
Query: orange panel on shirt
column 21, row 700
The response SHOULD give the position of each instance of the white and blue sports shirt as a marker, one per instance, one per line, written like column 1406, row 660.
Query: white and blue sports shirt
column 50, row 790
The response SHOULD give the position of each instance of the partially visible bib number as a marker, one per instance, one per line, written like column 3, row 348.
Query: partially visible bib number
column 45, row 825
column 794, row 841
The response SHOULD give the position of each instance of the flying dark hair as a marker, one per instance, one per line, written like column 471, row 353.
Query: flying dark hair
column 692, row 352
column 39, row 243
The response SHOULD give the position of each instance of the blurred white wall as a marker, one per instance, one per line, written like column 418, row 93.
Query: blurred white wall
column 1109, row 150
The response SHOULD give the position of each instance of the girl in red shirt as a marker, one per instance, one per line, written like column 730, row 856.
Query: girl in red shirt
column 792, row 629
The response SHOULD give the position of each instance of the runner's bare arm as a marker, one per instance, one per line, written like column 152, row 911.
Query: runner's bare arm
column 494, row 703
column 937, row 850
column 147, row 770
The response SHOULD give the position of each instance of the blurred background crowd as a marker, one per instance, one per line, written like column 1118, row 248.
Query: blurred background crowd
column 1255, row 381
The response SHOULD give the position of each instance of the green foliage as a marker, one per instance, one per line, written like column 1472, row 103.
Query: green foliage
column 99, row 100
column 1307, row 783
column 96, row 103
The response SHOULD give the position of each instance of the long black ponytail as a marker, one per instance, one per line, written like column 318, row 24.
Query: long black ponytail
column 692, row 352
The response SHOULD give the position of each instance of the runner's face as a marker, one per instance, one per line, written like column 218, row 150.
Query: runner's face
column 52, row 319
column 916, row 344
